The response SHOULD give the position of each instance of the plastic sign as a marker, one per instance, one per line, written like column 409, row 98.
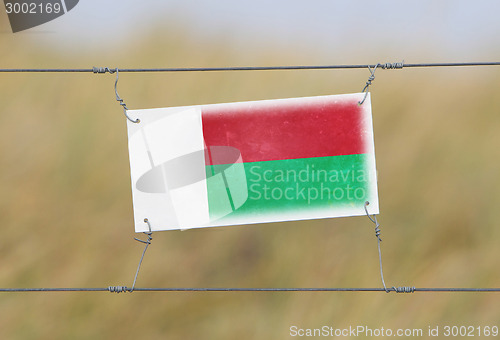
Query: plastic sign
column 252, row 162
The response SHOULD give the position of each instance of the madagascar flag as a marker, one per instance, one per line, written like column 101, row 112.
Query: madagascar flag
column 252, row 162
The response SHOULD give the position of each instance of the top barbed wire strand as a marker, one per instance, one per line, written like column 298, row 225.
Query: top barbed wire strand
column 250, row 68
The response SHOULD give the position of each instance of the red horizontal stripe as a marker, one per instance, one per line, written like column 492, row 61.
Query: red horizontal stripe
column 286, row 129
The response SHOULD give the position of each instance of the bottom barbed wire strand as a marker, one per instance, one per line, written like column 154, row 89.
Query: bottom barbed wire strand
column 120, row 289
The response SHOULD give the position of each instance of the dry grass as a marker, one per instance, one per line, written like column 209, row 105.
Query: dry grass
column 66, row 211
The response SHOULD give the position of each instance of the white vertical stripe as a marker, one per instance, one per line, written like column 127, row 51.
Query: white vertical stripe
column 174, row 136
column 64, row 6
column 163, row 136
column 138, row 150
column 191, row 205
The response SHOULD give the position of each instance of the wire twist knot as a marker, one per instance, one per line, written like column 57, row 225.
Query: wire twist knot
column 392, row 66
column 370, row 79
column 103, row 70
column 374, row 220
column 403, row 289
column 368, row 83
column 118, row 289
column 385, row 66
column 148, row 233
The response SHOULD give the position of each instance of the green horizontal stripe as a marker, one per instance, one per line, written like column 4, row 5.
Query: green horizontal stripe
column 274, row 187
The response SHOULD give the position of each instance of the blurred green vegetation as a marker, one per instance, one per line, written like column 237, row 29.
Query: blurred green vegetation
column 66, row 208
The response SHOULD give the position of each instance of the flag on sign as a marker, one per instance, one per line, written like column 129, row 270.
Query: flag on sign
column 252, row 162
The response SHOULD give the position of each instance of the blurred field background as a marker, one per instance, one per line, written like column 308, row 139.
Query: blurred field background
column 66, row 206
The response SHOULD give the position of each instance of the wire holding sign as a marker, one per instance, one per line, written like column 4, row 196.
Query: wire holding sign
column 102, row 70
column 120, row 100
column 368, row 83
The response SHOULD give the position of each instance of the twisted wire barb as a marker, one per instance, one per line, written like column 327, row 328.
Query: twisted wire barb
column 392, row 66
column 118, row 289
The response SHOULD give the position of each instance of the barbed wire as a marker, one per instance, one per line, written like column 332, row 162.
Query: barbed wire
column 120, row 289
column 398, row 65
